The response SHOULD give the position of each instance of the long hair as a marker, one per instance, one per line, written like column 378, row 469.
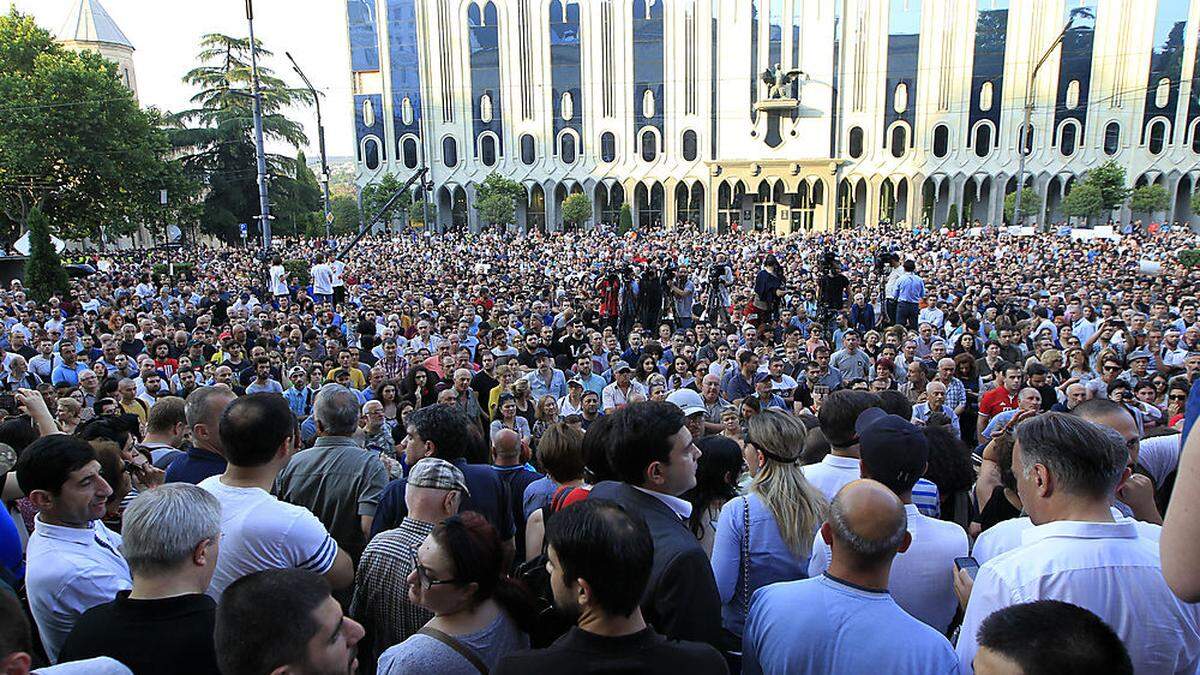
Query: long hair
column 474, row 548
column 716, row 477
column 798, row 507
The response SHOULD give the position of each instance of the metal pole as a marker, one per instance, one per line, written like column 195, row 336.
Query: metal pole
column 1028, row 114
column 263, row 198
column 321, row 142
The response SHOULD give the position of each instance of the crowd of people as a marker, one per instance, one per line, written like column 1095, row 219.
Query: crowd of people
column 887, row 450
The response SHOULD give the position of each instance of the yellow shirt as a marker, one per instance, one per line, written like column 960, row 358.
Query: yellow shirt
column 356, row 377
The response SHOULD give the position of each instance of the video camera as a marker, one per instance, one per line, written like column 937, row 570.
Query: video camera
column 884, row 256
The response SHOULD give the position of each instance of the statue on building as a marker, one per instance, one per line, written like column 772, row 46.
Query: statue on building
column 778, row 79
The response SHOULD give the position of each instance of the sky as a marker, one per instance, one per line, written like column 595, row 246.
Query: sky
column 165, row 36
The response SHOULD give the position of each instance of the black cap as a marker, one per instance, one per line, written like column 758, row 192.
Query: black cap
column 893, row 450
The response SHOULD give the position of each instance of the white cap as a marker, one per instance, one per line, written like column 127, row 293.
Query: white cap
column 688, row 401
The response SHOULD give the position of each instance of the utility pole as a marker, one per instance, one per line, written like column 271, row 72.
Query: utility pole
column 263, row 198
column 321, row 141
column 1028, row 114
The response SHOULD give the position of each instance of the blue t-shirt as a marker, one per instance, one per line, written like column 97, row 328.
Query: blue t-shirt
column 825, row 625
column 489, row 497
column 195, row 465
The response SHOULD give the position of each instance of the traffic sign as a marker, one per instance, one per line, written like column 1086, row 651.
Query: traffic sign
column 242, row 229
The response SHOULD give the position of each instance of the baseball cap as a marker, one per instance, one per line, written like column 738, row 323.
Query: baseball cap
column 761, row 377
column 893, row 450
column 575, row 382
column 439, row 474
column 1139, row 354
column 541, row 353
column 688, row 401
column 621, row 366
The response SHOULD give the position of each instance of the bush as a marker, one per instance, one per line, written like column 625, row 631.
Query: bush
column 183, row 270
column 626, row 220
column 1189, row 257
column 298, row 269
column 44, row 273
column 952, row 217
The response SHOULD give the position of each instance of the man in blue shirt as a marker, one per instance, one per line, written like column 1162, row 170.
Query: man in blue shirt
column 845, row 621
column 66, row 374
column 205, row 456
column 909, row 292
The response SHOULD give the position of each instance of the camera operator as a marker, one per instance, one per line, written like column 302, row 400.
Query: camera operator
column 768, row 289
column 684, row 297
column 720, row 279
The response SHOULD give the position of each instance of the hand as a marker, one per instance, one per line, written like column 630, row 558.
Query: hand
column 963, row 583
column 31, row 402
column 1138, row 494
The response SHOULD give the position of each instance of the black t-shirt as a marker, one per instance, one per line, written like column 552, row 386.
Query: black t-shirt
column 173, row 636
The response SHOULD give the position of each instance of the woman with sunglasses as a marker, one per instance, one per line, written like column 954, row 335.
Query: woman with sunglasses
column 480, row 614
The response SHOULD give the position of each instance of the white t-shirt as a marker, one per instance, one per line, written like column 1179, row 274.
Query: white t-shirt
column 832, row 473
column 322, row 279
column 278, row 280
column 339, row 269
column 1160, row 456
column 259, row 532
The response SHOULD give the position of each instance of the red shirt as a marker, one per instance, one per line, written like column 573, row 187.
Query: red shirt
column 997, row 401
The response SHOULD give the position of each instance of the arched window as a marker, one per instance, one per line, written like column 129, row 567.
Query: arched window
column 368, row 113
column 941, row 140
column 983, row 140
column 1112, row 138
column 371, row 151
column 1068, row 139
column 856, row 142
column 408, row 152
column 487, row 150
column 1196, row 138
column 1158, row 135
column 899, row 144
column 689, row 146
column 649, row 146
column 608, row 147
column 449, row 152
column 528, row 150
column 566, row 150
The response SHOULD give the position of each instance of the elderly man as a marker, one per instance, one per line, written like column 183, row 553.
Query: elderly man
column 956, row 393
column 171, row 536
column 935, row 401
column 1029, row 401
column 1076, row 393
column 465, row 399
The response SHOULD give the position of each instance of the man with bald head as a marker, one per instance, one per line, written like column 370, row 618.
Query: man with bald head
column 956, row 393
column 845, row 621
column 508, row 463
column 1076, row 393
column 465, row 399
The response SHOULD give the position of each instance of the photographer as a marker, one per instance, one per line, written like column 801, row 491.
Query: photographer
column 684, row 292
column 720, row 279
column 768, row 289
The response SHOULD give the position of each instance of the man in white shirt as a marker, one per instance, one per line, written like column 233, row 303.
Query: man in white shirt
column 617, row 395
column 259, row 532
column 895, row 453
column 838, row 415
column 322, row 279
column 1067, row 470
column 73, row 561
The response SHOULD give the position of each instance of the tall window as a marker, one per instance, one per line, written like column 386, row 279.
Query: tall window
column 941, row 140
column 449, row 152
column 608, row 147
column 689, row 146
column 1112, row 138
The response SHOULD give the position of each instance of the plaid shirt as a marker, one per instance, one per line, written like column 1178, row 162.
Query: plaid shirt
column 956, row 393
column 380, row 601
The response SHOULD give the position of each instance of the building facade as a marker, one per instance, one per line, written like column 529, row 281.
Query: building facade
column 88, row 27
column 898, row 111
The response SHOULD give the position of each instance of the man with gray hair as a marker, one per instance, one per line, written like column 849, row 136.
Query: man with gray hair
column 205, row 457
column 1067, row 469
column 337, row 479
column 171, row 538
column 845, row 621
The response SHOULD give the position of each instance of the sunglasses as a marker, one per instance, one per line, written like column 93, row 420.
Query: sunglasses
column 1111, row 369
column 1178, row 397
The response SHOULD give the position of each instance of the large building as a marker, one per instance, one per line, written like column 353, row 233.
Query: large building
column 88, row 27
column 898, row 110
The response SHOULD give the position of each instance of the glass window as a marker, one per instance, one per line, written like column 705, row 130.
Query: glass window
column 689, row 146
column 856, row 142
column 1028, row 138
column 528, row 150
column 372, row 153
column 1196, row 138
column 567, row 151
column 608, row 147
column 1069, row 139
column 1112, row 138
column 449, row 152
column 649, row 146
column 983, row 140
column 1158, row 133
column 408, row 152
column 899, row 140
column 487, row 150
column 941, row 140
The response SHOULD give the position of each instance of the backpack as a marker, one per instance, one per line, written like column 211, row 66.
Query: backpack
column 551, row 624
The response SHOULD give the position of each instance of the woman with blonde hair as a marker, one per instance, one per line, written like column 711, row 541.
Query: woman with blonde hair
column 506, row 374
column 546, row 415
column 766, row 536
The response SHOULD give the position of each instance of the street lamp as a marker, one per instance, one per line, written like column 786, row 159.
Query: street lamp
column 321, row 141
column 1028, row 113
column 263, row 199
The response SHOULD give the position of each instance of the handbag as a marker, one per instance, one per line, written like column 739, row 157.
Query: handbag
column 745, row 556
column 462, row 649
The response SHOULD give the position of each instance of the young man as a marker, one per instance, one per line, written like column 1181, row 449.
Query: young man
column 600, row 559
column 838, row 415
column 1048, row 636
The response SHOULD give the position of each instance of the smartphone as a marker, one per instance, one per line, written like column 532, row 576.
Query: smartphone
column 967, row 563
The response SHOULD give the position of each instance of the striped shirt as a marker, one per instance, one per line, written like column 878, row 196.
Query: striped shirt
column 925, row 498
column 380, row 602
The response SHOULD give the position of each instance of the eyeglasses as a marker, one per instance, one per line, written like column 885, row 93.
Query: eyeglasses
column 1111, row 369
column 1177, row 397
column 423, row 576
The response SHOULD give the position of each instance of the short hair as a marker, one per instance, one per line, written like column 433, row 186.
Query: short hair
column 15, row 635
column 560, row 452
column 254, row 426
column 444, row 426
column 1097, row 408
column 201, row 408
column 1085, row 458
column 1046, row 637
column 639, row 438
column 161, row 527
column 265, row 620
column 867, row 550
column 893, row 402
column 336, row 409
column 165, row 414
column 840, row 411
column 598, row 541
column 49, row 461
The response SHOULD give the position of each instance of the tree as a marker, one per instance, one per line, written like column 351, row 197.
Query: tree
column 44, row 273
column 1109, row 179
column 74, row 144
column 376, row 195
column 1030, row 203
column 216, row 136
column 416, row 213
column 1195, row 202
column 296, row 200
column 626, row 220
column 345, row 217
column 576, row 209
column 1149, row 199
column 952, row 216
column 1085, row 200
column 496, row 199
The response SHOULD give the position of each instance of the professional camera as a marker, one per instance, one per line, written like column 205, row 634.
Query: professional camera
column 884, row 257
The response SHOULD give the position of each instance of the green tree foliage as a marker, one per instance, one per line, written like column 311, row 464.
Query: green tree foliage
column 1195, row 202
column 74, row 144
column 496, row 200
column 625, row 223
column 1149, row 199
column 1085, row 200
column 577, row 209
column 375, row 196
column 1109, row 179
column 345, row 217
column 416, row 213
column 952, row 216
column 216, row 135
column 296, row 200
column 1030, row 203
column 44, row 273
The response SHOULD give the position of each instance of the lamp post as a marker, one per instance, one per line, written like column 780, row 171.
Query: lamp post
column 1029, row 113
column 263, row 198
column 321, row 142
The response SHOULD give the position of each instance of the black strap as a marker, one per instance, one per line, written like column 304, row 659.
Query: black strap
column 462, row 649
